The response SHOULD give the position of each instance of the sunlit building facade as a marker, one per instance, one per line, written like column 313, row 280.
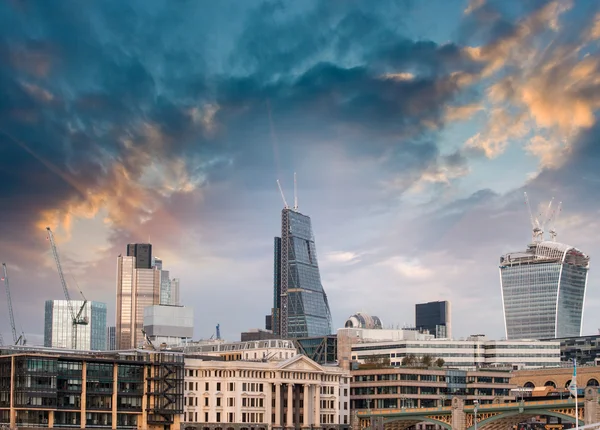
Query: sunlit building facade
column 543, row 291
column 58, row 325
column 300, row 303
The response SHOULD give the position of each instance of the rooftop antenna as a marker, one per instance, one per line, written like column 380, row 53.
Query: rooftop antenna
column 555, row 215
column 536, row 231
column 295, row 194
column 282, row 195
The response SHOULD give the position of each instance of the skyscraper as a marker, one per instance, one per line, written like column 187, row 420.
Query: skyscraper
column 137, row 288
column 300, row 307
column 434, row 317
column 58, row 325
column 142, row 253
column 111, row 338
column 174, row 292
column 543, row 290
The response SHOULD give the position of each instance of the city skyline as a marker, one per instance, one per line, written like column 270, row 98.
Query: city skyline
column 414, row 130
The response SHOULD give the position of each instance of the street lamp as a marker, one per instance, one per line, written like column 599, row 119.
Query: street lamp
column 443, row 399
column 475, row 406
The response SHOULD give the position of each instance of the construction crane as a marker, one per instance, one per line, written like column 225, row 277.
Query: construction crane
column 76, row 318
column 11, row 315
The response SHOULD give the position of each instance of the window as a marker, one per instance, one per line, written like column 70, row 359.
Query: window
column 191, row 386
column 205, row 417
column 231, row 386
column 345, row 406
column 218, row 417
column 218, row 387
column 230, row 417
column 206, row 401
column 218, row 404
column 231, row 401
column 206, row 386
column 345, row 392
column 244, row 402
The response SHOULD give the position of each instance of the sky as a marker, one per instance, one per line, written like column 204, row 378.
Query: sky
column 414, row 129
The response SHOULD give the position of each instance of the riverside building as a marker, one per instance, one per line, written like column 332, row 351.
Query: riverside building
column 263, row 393
column 48, row 388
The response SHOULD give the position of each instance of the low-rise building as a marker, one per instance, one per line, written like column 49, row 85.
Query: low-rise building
column 381, row 388
column 272, row 349
column 356, row 345
column 43, row 387
column 264, row 394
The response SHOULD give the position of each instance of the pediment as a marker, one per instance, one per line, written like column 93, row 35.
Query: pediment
column 300, row 363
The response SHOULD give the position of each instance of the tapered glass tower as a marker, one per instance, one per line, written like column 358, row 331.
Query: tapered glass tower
column 543, row 291
column 300, row 307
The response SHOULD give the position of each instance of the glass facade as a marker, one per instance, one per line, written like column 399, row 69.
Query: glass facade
column 543, row 291
column 58, row 325
column 434, row 317
column 304, row 305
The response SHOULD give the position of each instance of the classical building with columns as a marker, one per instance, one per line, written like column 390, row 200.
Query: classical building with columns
column 265, row 394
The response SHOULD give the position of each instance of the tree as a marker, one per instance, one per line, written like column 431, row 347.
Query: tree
column 375, row 362
column 427, row 360
column 409, row 360
column 440, row 362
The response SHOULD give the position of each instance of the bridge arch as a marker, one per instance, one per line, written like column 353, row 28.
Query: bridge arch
column 402, row 423
column 509, row 419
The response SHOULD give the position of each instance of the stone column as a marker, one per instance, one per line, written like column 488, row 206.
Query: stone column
column 458, row 414
column 590, row 404
column 269, row 400
column 305, row 407
column 277, row 404
column 289, row 422
column 317, row 418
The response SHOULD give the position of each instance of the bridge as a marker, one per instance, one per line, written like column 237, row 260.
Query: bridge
column 494, row 416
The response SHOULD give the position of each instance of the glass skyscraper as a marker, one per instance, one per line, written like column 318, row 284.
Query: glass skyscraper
column 58, row 325
column 300, row 307
column 543, row 291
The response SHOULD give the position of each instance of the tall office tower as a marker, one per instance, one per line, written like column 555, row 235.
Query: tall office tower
column 174, row 292
column 543, row 290
column 111, row 338
column 137, row 288
column 300, row 303
column 165, row 288
column 157, row 263
column 435, row 317
column 142, row 253
column 58, row 325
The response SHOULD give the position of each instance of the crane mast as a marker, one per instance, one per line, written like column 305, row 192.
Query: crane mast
column 76, row 319
column 11, row 315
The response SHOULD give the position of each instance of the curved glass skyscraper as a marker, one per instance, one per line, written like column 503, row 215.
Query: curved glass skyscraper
column 543, row 291
column 300, row 307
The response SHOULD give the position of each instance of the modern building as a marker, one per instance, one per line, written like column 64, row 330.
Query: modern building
column 257, row 334
column 320, row 349
column 362, row 320
column 355, row 346
column 52, row 388
column 388, row 387
column 584, row 349
column 111, row 338
column 165, row 287
column 175, row 298
column 171, row 325
column 265, row 394
column 434, row 317
column 272, row 349
column 58, row 325
column 142, row 253
column 543, row 290
column 300, row 306
column 137, row 288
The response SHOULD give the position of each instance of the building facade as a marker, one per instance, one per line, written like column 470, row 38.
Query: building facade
column 362, row 320
column 543, row 291
column 58, row 325
column 435, row 318
column 142, row 253
column 584, row 349
column 73, row 389
column 136, row 290
column 300, row 306
column 382, row 388
column 273, row 394
column 111, row 338
column 171, row 325
column 473, row 353
column 175, row 292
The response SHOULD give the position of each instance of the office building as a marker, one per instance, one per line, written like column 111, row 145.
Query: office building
column 136, row 290
column 359, row 346
column 142, row 253
column 48, row 388
column 257, row 334
column 174, row 286
column 434, row 317
column 58, row 325
column 165, row 288
column 543, row 290
column 111, row 338
column 170, row 325
column 584, row 349
column 362, row 320
column 383, row 388
column 300, row 307
column 265, row 394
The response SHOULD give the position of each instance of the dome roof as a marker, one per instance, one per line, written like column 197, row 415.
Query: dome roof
column 362, row 320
